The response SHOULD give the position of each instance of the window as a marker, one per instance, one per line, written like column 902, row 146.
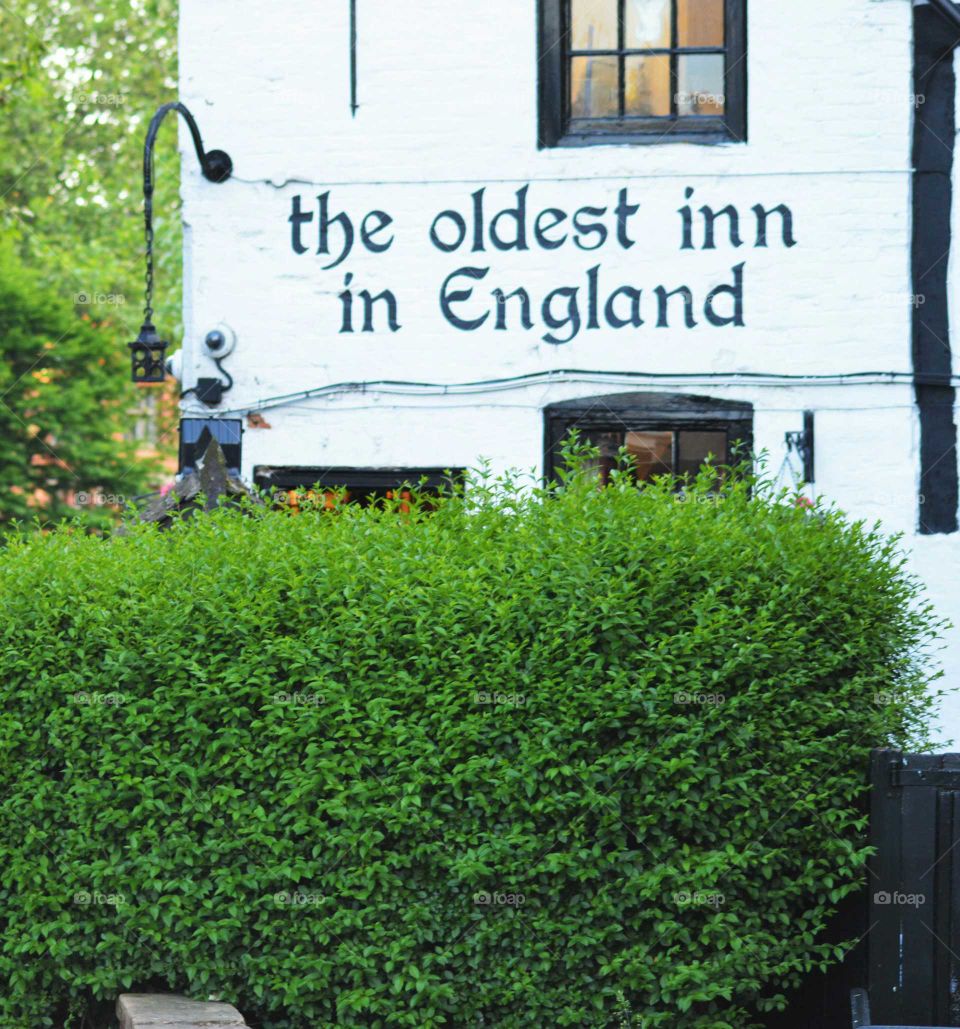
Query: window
column 361, row 484
column 663, row 433
column 642, row 71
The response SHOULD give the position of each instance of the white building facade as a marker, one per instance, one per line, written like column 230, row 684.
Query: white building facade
column 685, row 222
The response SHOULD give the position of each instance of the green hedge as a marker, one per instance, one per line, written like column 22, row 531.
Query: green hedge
column 496, row 764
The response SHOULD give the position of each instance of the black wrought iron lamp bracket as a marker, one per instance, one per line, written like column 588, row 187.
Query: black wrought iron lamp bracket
column 148, row 351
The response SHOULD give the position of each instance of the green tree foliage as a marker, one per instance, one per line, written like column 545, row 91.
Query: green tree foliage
column 62, row 419
column 79, row 80
column 78, row 84
column 527, row 760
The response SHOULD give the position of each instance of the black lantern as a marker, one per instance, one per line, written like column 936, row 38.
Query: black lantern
column 148, row 351
column 148, row 355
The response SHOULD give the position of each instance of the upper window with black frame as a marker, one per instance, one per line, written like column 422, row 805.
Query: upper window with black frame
column 642, row 71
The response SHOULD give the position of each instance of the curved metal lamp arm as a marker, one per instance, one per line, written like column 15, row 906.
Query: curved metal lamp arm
column 215, row 164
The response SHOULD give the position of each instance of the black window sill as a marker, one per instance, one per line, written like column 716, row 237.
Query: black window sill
column 581, row 139
column 704, row 131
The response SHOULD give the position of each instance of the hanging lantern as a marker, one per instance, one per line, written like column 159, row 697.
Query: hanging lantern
column 148, row 356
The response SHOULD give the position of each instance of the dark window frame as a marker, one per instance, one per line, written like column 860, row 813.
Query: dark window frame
column 645, row 412
column 556, row 128
column 361, row 482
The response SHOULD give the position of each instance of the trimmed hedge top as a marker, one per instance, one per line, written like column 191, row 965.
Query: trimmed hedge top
column 591, row 757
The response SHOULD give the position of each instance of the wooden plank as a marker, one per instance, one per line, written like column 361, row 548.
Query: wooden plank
column 944, row 778
column 941, row 883
column 884, row 880
column 916, row 898
column 951, row 987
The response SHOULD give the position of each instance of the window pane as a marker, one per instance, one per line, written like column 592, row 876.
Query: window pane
column 594, row 87
column 593, row 24
column 700, row 22
column 648, row 24
column 693, row 448
column 700, row 84
column 607, row 441
column 608, row 444
column 647, row 87
column 651, row 452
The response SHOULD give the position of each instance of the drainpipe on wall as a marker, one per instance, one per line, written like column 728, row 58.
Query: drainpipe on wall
column 936, row 36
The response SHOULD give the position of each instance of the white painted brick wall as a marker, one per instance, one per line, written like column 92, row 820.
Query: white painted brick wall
column 447, row 94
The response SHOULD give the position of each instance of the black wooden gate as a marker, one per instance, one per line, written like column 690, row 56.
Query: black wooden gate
column 906, row 923
column 913, row 906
